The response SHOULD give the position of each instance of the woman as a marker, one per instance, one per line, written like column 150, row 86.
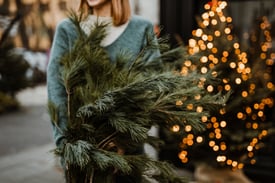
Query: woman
column 124, row 33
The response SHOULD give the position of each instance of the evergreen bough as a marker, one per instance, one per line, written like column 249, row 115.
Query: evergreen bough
column 112, row 106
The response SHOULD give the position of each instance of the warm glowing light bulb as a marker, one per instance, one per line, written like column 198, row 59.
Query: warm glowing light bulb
column 227, row 30
column 249, row 148
column 236, row 45
column 205, row 22
column 218, row 136
column 229, row 19
column 210, row 45
column 188, row 128
column 224, row 59
column 207, row 6
column 270, row 85
column 204, row 37
column 205, row 15
column 240, row 166
column 248, row 70
column 244, row 94
column 238, row 81
column 269, row 62
column 250, row 154
column 210, row 38
column 223, row 4
column 182, row 154
column 204, row 70
column 223, row 124
column 204, row 59
column 204, row 119
column 184, row 71
column 229, row 162
column 221, row 158
column 214, row 22
column 215, row 61
column 187, row 63
column 210, row 88
column 190, row 136
column 255, row 126
column 211, row 143
column 260, row 114
column 192, row 42
column 214, row 73
column 225, row 53
column 232, row 65
column 216, row 125
column 252, row 86
column 248, row 110
column 185, row 160
column 214, row 50
column 217, row 33
column 211, row 13
column 222, row 18
column 254, row 140
column 197, row 97
column 264, row 132
column 223, row 147
column 263, row 56
column 190, row 106
column 216, row 148
column 230, row 38
column 253, row 161
column 241, row 66
column 190, row 142
column 199, row 139
column 218, row 9
column 240, row 115
column 234, row 163
column 199, row 109
column 211, row 135
column 217, row 130
column 203, row 47
column 199, row 32
column 227, row 87
column 179, row 103
column 176, row 128
column 213, row 119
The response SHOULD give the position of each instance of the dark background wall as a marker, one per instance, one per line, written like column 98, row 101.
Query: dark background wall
column 177, row 18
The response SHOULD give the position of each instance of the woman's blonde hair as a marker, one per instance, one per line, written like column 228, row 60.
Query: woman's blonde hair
column 121, row 10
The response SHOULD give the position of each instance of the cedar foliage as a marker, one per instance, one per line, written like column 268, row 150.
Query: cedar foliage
column 112, row 106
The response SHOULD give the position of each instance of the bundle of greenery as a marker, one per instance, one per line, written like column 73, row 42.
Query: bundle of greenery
column 112, row 106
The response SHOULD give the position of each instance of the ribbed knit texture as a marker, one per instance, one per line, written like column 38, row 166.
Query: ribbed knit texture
column 113, row 32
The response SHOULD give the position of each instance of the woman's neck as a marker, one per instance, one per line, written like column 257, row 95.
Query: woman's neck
column 103, row 11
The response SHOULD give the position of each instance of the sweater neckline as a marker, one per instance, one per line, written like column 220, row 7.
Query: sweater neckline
column 121, row 35
column 113, row 32
column 94, row 18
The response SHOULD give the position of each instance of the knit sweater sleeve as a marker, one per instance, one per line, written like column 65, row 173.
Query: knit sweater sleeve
column 133, row 40
column 152, row 53
column 56, row 90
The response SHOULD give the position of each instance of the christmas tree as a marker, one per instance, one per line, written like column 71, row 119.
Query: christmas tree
column 234, row 132
column 13, row 69
column 259, row 49
column 111, row 108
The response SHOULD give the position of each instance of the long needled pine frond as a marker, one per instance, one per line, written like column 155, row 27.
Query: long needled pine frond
column 113, row 105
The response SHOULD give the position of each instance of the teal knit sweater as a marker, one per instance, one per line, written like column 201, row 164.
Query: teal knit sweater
column 132, row 40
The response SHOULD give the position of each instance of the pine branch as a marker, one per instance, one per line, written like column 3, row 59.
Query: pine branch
column 78, row 153
column 113, row 106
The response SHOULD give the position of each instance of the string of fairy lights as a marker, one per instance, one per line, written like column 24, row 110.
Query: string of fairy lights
column 220, row 27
